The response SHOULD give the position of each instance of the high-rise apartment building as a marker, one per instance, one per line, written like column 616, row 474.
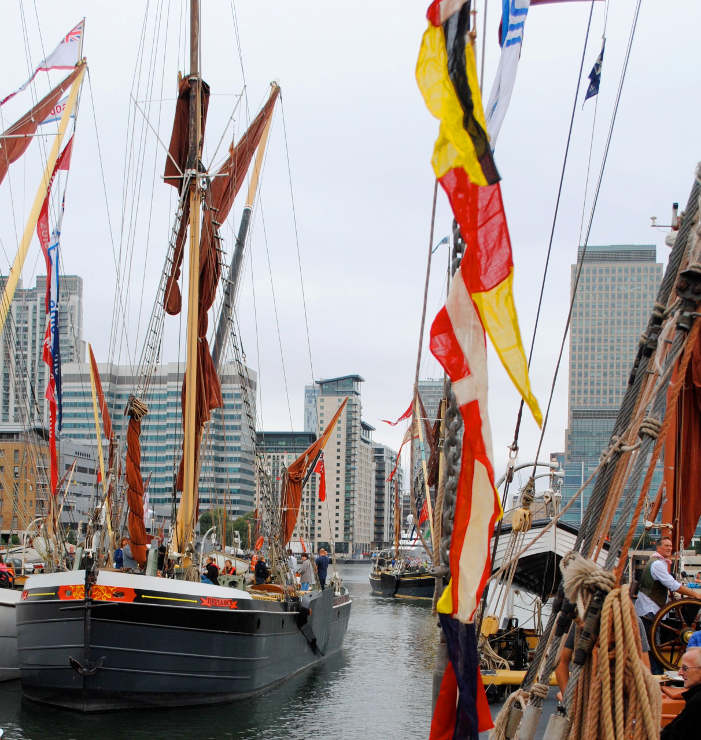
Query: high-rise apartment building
column 23, row 373
column 385, row 494
column 227, row 475
column 350, row 466
column 616, row 292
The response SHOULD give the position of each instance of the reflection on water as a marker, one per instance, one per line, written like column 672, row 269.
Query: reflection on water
column 379, row 686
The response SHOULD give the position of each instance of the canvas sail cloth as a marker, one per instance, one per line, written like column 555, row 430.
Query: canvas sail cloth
column 291, row 495
column 225, row 183
column 23, row 130
column 682, row 461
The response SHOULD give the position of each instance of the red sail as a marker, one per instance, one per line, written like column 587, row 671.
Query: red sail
column 219, row 199
column 682, row 462
column 16, row 139
column 291, row 496
column 176, row 164
column 135, row 491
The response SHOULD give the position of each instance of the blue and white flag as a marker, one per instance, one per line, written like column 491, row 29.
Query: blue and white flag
column 57, row 112
column 513, row 21
column 595, row 74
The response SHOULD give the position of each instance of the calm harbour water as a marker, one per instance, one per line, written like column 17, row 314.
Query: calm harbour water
column 378, row 687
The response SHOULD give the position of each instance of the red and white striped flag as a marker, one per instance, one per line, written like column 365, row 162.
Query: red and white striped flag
column 65, row 56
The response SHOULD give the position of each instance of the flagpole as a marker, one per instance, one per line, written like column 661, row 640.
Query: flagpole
column 20, row 257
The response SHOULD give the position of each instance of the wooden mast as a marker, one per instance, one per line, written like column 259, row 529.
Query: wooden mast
column 185, row 524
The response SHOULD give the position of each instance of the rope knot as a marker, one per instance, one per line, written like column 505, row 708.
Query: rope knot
column 651, row 427
column 540, row 690
column 582, row 577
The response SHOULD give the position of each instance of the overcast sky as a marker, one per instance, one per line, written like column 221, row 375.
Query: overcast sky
column 359, row 141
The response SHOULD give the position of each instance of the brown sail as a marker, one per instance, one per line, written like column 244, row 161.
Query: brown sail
column 682, row 461
column 226, row 182
column 16, row 140
column 291, row 496
column 136, row 410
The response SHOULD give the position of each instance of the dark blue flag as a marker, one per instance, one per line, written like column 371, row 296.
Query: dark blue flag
column 595, row 74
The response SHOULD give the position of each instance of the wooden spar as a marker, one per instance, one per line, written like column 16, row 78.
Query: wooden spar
column 100, row 457
column 424, row 467
column 185, row 523
column 18, row 264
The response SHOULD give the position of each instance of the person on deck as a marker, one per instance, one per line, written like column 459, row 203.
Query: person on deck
column 211, row 571
column 128, row 562
column 119, row 558
column 322, row 567
column 7, row 575
column 228, row 569
column 686, row 724
column 656, row 583
column 291, row 566
column 306, row 572
column 262, row 571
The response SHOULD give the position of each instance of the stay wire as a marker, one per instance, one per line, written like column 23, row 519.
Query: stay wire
column 294, row 220
column 580, row 260
column 519, row 416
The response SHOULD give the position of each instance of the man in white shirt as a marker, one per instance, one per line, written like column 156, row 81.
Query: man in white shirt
column 656, row 583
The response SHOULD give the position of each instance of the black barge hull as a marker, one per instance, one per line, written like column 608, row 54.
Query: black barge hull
column 403, row 586
column 135, row 647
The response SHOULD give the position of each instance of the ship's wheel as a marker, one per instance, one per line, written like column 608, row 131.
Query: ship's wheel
column 671, row 630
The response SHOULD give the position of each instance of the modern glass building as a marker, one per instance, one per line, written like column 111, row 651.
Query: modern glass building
column 227, row 476
column 385, row 494
column 616, row 292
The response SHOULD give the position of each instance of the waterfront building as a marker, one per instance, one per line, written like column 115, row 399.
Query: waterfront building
column 24, row 484
column 385, row 494
column 279, row 450
column 23, row 373
column 616, row 292
column 350, row 465
column 227, row 476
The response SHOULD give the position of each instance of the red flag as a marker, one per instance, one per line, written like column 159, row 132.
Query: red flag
column 259, row 543
column 320, row 470
column 405, row 415
column 423, row 514
column 304, row 547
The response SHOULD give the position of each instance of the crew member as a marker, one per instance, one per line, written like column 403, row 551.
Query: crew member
column 306, row 572
column 212, row 571
column 322, row 567
column 262, row 571
column 656, row 583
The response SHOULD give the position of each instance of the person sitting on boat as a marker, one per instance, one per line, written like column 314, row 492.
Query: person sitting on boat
column 128, row 559
column 656, row 583
column 322, row 567
column 228, row 569
column 686, row 723
column 306, row 572
column 7, row 575
column 211, row 572
column 262, row 572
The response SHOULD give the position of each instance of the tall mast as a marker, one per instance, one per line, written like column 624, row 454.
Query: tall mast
column 186, row 511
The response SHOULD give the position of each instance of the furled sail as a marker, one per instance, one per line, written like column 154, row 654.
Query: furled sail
column 136, row 410
column 682, row 463
column 225, row 183
column 15, row 141
column 291, row 496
